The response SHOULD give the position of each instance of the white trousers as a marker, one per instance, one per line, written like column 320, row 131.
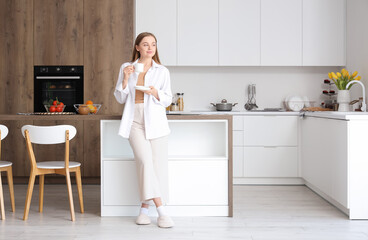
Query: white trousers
column 151, row 159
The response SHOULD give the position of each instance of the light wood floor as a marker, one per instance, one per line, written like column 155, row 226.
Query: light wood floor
column 261, row 212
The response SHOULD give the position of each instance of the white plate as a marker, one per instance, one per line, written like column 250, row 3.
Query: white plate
column 142, row 88
column 295, row 103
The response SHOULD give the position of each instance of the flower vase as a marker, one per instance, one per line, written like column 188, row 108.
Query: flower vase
column 343, row 99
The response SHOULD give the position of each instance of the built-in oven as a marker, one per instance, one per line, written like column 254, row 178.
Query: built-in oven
column 64, row 83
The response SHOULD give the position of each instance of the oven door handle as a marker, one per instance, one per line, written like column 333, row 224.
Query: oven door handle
column 58, row 77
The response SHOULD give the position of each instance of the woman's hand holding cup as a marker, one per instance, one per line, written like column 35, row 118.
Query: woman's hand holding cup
column 127, row 71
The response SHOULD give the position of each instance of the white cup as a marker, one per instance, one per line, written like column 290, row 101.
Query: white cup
column 138, row 67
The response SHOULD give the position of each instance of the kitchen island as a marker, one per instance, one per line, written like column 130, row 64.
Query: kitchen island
column 200, row 168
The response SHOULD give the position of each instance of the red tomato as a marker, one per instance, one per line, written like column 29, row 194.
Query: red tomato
column 61, row 104
column 52, row 108
column 59, row 108
column 55, row 102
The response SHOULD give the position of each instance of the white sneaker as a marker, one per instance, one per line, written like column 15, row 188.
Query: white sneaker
column 143, row 219
column 165, row 222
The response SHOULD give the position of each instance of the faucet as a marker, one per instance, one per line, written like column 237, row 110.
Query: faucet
column 364, row 106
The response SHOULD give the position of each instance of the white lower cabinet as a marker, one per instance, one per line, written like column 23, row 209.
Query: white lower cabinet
column 238, row 163
column 325, row 158
column 334, row 162
column 265, row 150
column 270, row 162
column 270, row 130
column 238, row 139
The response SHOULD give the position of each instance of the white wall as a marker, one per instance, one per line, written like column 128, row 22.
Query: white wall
column 203, row 85
column 357, row 41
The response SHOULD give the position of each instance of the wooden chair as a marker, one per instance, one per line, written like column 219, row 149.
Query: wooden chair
column 6, row 166
column 51, row 135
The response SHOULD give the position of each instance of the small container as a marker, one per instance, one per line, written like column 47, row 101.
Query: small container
column 174, row 107
column 360, row 104
column 180, row 101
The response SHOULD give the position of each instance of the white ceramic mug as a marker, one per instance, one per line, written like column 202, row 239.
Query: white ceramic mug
column 138, row 67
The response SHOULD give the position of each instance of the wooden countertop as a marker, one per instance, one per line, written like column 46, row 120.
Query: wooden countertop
column 102, row 117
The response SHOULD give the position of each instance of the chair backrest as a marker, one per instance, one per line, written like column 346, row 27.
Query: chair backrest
column 4, row 131
column 49, row 134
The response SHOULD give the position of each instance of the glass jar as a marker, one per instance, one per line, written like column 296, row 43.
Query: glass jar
column 174, row 107
column 180, row 101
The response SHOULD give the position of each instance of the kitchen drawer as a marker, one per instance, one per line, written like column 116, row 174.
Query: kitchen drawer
column 238, row 161
column 238, row 122
column 270, row 131
column 238, row 138
column 270, row 161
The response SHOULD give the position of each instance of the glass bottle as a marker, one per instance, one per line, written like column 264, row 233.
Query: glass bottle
column 180, row 101
column 174, row 107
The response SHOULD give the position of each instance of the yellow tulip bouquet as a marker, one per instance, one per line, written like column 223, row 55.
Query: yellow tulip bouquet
column 341, row 79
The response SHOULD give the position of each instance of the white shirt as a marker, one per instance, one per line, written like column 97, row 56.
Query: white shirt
column 155, row 119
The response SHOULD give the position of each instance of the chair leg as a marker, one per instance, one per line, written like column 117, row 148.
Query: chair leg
column 70, row 194
column 11, row 187
column 79, row 186
column 2, row 200
column 41, row 184
column 29, row 195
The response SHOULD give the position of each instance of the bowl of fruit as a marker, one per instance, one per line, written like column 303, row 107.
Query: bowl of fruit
column 87, row 108
column 54, row 106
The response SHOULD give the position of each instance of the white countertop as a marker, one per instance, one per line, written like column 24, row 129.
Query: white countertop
column 339, row 115
column 324, row 114
column 247, row 113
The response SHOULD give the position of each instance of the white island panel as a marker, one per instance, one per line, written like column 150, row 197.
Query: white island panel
column 199, row 174
column 188, row 186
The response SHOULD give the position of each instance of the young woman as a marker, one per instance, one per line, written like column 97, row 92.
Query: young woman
column 144, row 123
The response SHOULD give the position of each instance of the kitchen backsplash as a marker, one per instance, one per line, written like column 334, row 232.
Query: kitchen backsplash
column 203, row 85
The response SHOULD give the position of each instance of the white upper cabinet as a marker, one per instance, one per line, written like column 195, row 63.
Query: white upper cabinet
column 197, row 32
column 246, row 32
column 281, row 33
column 239, row 32
column 324, row 24
column 159, row 18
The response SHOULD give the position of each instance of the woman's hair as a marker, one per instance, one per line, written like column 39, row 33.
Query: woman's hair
column 138, row 40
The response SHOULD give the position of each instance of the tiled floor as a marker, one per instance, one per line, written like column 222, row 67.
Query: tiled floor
column 260, row 212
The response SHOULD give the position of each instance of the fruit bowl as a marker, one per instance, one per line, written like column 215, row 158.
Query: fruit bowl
column 94, row 108
column 47, row 107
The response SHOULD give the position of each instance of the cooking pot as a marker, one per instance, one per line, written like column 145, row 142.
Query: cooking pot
column 224, row 105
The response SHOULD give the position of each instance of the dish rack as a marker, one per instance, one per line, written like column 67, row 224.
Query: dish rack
column 304, row 104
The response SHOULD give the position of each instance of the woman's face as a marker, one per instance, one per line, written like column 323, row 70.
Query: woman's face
column 147, row 47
